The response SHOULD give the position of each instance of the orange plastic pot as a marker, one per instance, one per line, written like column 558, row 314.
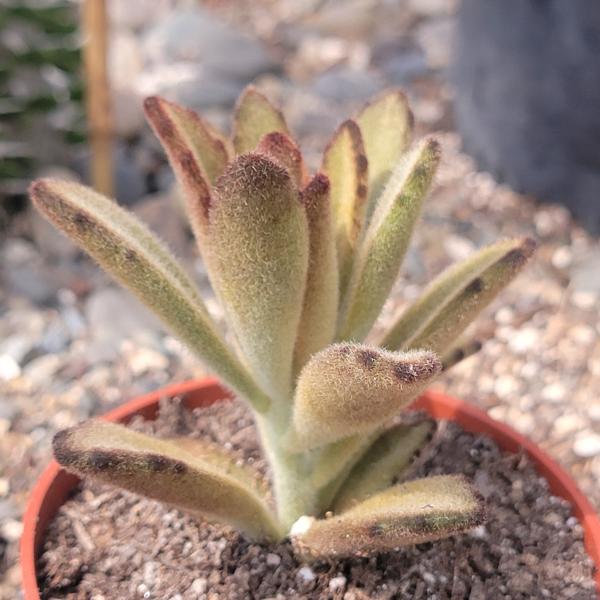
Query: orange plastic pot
column 55, row 484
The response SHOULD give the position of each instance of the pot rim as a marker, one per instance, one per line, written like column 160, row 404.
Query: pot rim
column 54, row 485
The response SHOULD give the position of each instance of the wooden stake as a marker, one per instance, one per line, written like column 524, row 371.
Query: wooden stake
column 95, row 28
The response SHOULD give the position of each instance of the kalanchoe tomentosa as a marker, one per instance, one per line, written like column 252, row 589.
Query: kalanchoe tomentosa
column 302, row 266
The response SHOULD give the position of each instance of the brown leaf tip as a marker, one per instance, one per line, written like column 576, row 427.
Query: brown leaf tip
column 154, row 108
column 62, row 450
column 279, row 143
column 38, row 189
column 519, row 256
column 253, row 174
column 411, row 370
column 316, row 188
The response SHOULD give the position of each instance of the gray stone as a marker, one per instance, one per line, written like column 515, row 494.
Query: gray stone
column 114, row 315
column 527, row 87
column 346, row 84
column 23, row 272
column 585, row 273
column 195, row 36
column 399, row 64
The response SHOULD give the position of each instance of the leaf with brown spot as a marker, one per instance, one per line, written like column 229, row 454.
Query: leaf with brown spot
column 201, row 479
column 320, row 305
column 197, row 153
column 410, row 513
column 440, row 292
column 348, row 389
column 449, row 321
column 382, row 251
column 255, row 117
column 259, row 243
column 346, row 165
column 386, row 125
column 128, row 251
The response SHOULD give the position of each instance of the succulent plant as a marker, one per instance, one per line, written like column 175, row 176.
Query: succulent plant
column 302, row 266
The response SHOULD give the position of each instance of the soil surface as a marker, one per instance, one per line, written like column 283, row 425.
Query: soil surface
column 107, row 544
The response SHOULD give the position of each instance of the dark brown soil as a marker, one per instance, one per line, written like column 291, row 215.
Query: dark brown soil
column 106, row 544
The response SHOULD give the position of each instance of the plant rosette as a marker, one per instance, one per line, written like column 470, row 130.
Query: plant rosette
column 302, row 265
column 56, row 485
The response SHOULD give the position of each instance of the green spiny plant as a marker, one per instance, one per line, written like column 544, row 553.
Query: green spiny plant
column 302, row 266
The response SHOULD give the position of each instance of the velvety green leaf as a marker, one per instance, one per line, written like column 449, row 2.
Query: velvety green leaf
column 197, row 153
column 192, row 475
column 409, row 513
column 346, row 166
column 386, row 125
column 449, row 323
column 382, row 463
column 181, row 129
column 127, row 250
column 350, row 388
column 440, row 292
column 386, row 240
column 319, row 311
column 254, row 117
column 259, row 243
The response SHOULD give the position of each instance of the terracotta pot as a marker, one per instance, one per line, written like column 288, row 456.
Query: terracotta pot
column 55, row 485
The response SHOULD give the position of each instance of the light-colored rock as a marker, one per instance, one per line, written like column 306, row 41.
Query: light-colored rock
column 337, row 584
column 273, row 560
column 306, row 574
column 193, row 35
column 9, row 368
column 587, row 445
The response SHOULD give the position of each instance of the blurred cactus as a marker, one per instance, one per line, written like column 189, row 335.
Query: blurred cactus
column 302, row 267
column 40, row 87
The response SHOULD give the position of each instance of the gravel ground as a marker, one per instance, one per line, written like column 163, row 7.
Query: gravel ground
column 71, row 345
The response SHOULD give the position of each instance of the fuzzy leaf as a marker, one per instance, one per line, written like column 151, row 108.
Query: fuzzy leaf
column 345, row 163
column 460, row 351
column 380, row 255
column 127, row 250
column 440, row 292
column 446, row 326
column 319, row 311
column 283, row 150
column 409, row 513
column 254, row 117
column 194, row 476
column 196, row 152
column 383, row 462
column 351, row 388
column 180, row 128
column 386, row 125
column 258, row 236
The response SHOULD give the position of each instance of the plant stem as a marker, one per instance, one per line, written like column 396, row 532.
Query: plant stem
column 295, row 495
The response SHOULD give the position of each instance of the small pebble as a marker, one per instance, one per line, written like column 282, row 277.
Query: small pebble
column 199, row 586
column 9, row 368
column 12, row 530
column 273, row 560
column 554, row 392
column 587, row 445
column 306, row 574
column 336, row 584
